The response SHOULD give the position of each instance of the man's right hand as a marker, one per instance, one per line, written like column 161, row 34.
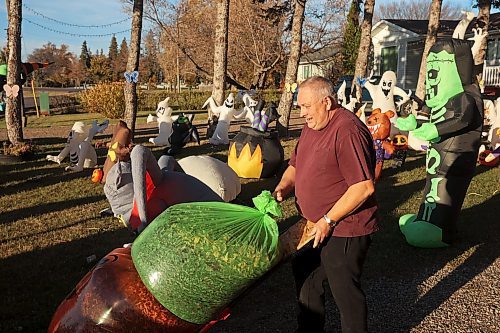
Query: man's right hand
column 278, row 194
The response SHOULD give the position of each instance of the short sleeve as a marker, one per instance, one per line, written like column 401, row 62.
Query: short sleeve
column 356, row 157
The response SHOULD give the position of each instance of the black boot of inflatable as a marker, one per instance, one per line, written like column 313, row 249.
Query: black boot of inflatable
column 255, row 154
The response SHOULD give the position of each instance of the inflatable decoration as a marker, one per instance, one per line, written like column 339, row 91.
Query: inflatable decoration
column 140, row 188
column 379, row 125
column 3, row 74
column 489, row 156
column 197, row 258
column 262, row 119
column 341, row 97
column 224, row 114
column 79, row 146
column 214, row 173
column 164, row 119
column 255, row 154
column 400, row 144
column 112, row 298
column 383, row 94
column 247, row 112
column 454, row 132
column 183, row 132
column 361, row 113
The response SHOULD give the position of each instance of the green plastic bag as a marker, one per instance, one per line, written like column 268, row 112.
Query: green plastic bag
column 195, row 258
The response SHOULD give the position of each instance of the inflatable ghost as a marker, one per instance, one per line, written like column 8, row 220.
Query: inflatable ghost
column 383, row 94
column 454, row 133
column 79, row 146
column 248, row 109
column 164, row 119
column 341, row 97
column 225, row 114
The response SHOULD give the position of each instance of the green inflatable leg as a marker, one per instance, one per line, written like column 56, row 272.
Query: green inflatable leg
column 420, row 233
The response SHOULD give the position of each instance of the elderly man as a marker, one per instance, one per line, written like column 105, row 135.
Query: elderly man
column 332, row 172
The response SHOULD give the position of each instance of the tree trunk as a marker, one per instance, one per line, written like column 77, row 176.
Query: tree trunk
column 220, row 51
column 432, row 29
column 130, row 89
column 483, row 21
column 364, row 46
column 285, row 106
column 13, row 109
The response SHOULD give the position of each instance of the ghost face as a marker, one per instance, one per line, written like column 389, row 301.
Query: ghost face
column 163, row 110
column 229, row 102
column 387, row 83
column 442, row 81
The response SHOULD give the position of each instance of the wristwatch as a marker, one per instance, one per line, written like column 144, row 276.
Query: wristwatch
column 329, row 221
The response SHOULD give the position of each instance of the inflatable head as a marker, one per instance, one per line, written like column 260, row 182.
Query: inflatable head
column 163, row 111
column 379, row 124
column 119, row 147
column 449, row 67
column 387, row 84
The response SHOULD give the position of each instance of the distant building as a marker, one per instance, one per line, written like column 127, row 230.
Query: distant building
column 316, row 63
column 398, row 45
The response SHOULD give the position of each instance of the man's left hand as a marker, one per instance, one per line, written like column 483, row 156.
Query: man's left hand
column 321, row 231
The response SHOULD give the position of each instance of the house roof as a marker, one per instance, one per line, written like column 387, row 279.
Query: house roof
column 446, row 27
column 323, row 54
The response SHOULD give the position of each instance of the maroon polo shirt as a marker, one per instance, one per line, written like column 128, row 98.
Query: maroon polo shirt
column 326, row 163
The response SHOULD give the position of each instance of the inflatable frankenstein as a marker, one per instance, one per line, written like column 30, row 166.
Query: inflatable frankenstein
column 454, row 132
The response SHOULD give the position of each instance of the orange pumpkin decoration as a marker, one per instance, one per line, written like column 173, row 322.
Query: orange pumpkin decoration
column 97, row 175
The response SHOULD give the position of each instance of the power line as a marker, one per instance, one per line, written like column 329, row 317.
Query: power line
column 75, row 25
column 74, row 34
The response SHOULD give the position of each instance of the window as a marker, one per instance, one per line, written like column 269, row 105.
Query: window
column 389, row 59
column 490, row 50
column 306, row 71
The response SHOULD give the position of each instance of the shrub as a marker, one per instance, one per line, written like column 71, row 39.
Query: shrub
column 108, row 99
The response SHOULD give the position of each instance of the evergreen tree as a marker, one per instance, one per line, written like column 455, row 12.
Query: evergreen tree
column 113, row 49
column 123, row 53
column 150, row 69
column 352, row 36
column 85, row 55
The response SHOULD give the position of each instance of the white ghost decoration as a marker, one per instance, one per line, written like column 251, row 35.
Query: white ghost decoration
column 248, row 109
column 79, row 146
column 225, row 114
column 165, row 120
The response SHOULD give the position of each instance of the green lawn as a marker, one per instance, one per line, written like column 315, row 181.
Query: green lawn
column 50, row 224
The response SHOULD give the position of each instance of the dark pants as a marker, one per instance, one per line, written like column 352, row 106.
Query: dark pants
column 339, row 261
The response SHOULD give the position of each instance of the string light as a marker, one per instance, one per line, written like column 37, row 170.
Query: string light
column 74, row 34
column 75, row 25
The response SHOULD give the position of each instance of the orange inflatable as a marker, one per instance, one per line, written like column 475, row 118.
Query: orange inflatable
column 112, row 298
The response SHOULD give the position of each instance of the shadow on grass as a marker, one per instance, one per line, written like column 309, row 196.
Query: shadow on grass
column 33, row 284
column 22, row 213
column 35, row 178
column 396, row 271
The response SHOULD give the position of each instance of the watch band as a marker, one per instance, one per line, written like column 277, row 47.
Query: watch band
column 329, row 221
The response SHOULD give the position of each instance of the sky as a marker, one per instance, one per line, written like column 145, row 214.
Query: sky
column 82, row 13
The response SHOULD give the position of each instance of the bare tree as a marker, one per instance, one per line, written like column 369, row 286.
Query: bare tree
column 432, row 29
column 13, row 116
column 286, row 101
column 220, row 51
column 364, row 45
column 483, row 21
column 130, row 88
column 417, row 10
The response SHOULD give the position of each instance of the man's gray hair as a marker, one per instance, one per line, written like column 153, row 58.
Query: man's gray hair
column 322, row 86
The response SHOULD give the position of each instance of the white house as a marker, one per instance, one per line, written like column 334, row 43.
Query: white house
column 316, row 63
column 398, row 46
